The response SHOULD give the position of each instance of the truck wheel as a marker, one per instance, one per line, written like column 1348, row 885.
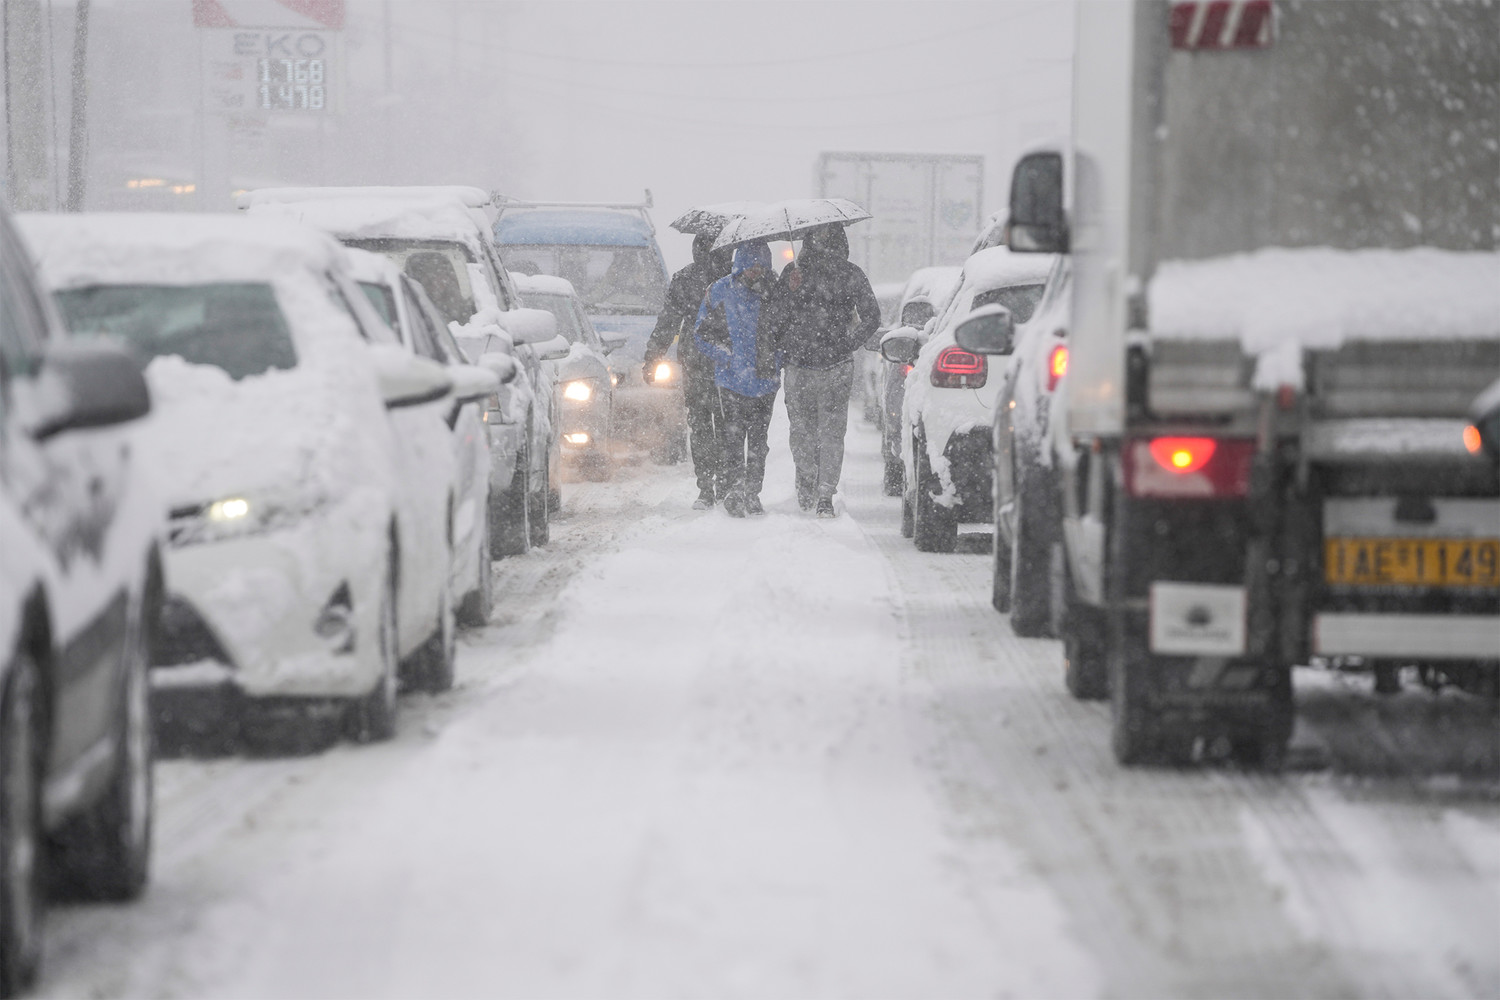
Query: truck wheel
column 895, row 477
column 1136, row 735
column 934, row 527
column 510, row 526
column 105, row 853
column 22, row 893
column 539, row 504
column 1266, row 749
column 1030, row 563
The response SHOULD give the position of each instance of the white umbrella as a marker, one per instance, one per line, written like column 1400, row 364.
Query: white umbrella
column 710, row 220
column 787, row 220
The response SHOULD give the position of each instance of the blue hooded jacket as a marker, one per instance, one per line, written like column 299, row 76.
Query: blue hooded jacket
column 743, row 309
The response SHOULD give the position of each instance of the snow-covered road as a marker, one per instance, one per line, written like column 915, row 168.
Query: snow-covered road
column 695, row 756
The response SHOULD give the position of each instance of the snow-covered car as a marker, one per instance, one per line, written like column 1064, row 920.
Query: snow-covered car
column 609, row 254
column 1026, row 513
column 868, row 363
column 584, row 379
column 926, row 293
column 404, row 306
column 440, row 237
column 308, row 561
column 81, row 533
column 950, row 401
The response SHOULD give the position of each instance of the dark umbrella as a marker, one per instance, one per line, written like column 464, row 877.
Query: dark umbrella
column 709, row 220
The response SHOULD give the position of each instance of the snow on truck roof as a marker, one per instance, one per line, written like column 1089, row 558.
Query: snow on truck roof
column 171, row 248
column 573, row 226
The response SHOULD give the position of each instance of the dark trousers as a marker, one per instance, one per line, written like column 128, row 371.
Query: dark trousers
column 747, row 421
column 701, row 397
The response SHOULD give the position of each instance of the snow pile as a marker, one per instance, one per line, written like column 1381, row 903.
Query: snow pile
column 1278, row 301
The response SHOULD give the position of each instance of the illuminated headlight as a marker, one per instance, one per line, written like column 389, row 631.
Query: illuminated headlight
column 614, row 378
column 237, row 516
column 230, row 510
column 578, row 391
column 579, row 438
column 665, row 373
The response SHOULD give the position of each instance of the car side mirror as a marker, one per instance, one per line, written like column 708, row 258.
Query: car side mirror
column 553, row 350
column 407, row 380
column 988, row 330
column 612, row 342
column 87, row 385
column 502, row 366
column 471, row 382
column 530, row 326
column 1037, row 222
column 900, row 349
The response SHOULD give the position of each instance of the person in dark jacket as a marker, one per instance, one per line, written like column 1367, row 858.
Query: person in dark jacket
column 734, row 331
column 675, row 323
column 826, row 312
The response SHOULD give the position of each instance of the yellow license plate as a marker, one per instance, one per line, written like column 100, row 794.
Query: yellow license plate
column 1412, row 562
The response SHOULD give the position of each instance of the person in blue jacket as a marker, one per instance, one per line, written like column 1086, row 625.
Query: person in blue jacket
column 735, row 331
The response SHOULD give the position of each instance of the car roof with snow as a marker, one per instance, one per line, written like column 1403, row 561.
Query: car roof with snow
column 998, row 267
column 544, row 284
column 930, row 283
column 169, row 248
column 349, row 215
column 573, row 226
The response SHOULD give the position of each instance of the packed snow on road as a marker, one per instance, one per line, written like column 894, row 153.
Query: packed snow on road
column 699, row 756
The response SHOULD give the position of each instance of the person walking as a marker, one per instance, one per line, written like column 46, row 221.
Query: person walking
column 827, row 310
column 734, row 331
column 675, row 322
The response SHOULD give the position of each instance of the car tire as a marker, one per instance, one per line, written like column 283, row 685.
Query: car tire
column 895, row 477
column 934, row 527
column 999, row 569
column 372, row 716
column 1085, row 672
column 510, row 524
column 105, row 852
column 540, row 506
column 1030, row 561
column 23, row 900
column 474, row 609
column 433, row 662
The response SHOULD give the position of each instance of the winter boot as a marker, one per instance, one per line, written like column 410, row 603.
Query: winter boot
column 753, row 507
column 825, row 508
column 734, row 505
column 705, row 500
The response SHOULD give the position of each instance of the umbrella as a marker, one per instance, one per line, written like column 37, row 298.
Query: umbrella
column 787, row 220
column 708, row 220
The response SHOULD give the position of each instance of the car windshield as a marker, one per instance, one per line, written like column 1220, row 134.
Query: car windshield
column 237, row 327
column 624, row 280
column 559, row 306
column 439, row 266
column 1021, row 300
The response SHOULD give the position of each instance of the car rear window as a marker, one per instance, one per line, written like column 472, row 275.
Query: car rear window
column 440, row 267
column 237, row 327
column 1021, row 300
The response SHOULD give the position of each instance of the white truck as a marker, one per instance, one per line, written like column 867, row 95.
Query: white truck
column 1283, row 219
column 926, row 208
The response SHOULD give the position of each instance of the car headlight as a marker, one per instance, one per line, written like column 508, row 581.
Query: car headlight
column 579, row 391
column 237, row 516
column 665, row 373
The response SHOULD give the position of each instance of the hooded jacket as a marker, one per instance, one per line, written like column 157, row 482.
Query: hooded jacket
column 733, row 328
column 826, row 309
column 680, row 311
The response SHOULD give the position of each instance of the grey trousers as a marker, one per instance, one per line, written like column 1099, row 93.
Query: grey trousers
column 817, row 404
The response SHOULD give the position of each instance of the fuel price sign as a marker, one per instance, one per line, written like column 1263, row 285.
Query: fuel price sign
column 292, row 84
column 265, row 71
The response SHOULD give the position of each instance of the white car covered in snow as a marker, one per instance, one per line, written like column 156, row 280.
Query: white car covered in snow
column 440, row 237
column 308, row 560
column 950, row 400
column 404, row 306
column 925, row 294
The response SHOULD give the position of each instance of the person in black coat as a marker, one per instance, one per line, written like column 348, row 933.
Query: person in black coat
column 675, row 324
column 826, row 310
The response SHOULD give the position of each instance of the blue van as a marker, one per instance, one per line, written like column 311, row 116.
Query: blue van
column 609, row 253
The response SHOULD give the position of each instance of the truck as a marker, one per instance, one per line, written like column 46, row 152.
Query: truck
column 926, row 208
column 1285, row 302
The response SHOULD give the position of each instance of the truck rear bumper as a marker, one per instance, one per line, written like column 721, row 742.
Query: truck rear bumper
column 1433, row 637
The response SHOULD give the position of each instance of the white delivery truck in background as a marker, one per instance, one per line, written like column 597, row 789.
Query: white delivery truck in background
column 1283, row 219
column 926, row 208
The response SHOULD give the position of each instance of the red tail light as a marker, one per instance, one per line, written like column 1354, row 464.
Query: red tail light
column 906, row 370
column 1188, row 467
column 1057, row 366
column 956, row 368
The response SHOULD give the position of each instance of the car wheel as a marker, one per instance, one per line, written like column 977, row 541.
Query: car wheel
column 540, row 505
column 999, row 569
column 105, row 852
column 934, row 527
column 1031, row 560
column 474, row 609
column 895, row 477
column 1085, row 673
column 22, row 897
column 510, row 524
column 433, row 662
column 373, row 716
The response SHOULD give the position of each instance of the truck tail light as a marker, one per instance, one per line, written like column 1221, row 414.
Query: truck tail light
column 957, row 368
column 1057, row 366
column 1188, row 467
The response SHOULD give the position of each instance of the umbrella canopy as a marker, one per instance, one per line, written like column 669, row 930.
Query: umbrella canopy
column 787, row 220
column 709, row 220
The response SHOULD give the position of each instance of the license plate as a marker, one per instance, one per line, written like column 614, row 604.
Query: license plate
column 1412, row 562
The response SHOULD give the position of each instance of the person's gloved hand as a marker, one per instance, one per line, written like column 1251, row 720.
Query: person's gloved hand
column 648, row 372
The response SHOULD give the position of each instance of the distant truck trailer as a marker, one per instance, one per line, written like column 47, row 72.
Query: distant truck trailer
column 926, row 208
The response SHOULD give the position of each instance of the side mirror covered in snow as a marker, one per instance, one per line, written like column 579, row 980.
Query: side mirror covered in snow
column 86, row 385
column 502, row 366
column 899, row 347
column 472, row 382
column 530, row 326
column 407, row 380
column 553, row 350
column 988, row 330
column 612, row 341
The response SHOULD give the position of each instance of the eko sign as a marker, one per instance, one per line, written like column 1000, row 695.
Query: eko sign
column 261, row 71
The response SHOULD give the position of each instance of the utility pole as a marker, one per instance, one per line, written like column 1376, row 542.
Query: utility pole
column 78, row 136
column 26, row 175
